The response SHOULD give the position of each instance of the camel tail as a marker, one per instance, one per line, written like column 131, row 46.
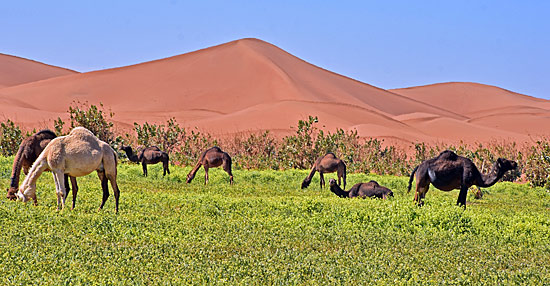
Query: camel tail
column 229, row 162
column 116, row 160
column 344, row 175
column 411, row 179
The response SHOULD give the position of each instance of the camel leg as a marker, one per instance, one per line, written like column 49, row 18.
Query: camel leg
column 165, row 165
column 144, row 168
column 59, row 179
column 75, row 190
column 227, row 169
column 205, row 174
column 116, row 191
column 68, row 188
column 341, row 174
column 322, row 181
column 462, row 196
column 104, row 187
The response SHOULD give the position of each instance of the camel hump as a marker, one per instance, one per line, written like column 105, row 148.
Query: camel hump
column 152, row 148
column 215, row 148
column 448, row 155
column 45, row 134
column 82, row 133
column 373, row 182
column 330, row 154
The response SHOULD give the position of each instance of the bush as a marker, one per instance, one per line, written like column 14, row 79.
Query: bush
column 537, row 165
column 165, row 137
column 10, row 138
column 175, row 140
column 93, row 118
column 257, row 151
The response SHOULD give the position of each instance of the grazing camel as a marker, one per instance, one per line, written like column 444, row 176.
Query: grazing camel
column 213, row 157
column 29, row 150
column 361, row 190
column 149, row 155
column 76, row 154
column 448, row 171
column 326, row 164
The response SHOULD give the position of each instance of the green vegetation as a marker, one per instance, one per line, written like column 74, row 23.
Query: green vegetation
column 265, row 230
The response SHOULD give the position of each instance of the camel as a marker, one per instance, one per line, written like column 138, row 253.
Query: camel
column 29, row 150
column 149, row 155
column 76, row 154
column 361, row 190
column 328, row 163
column 211, row 158
column 448, row 171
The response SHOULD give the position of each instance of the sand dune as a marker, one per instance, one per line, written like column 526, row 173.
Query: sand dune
column 250, row 85
column 467, row 98
column 16, row 71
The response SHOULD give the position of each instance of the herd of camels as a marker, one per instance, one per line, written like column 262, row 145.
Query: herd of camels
column 80, row 152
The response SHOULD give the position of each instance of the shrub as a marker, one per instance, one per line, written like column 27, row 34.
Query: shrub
column 537, row 165
column 166, row 136
column 93, row 118
column 297, row 150
column 10, row 138
column 257, row 151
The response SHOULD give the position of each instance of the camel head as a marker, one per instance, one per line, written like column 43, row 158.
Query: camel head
column 12, row 193
column 25, row 194
column 332, row 182
column 504, row 165
column 126, row 148
column 305, row 183
column 388, row 192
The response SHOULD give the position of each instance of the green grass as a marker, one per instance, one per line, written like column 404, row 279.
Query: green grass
column 265, row 230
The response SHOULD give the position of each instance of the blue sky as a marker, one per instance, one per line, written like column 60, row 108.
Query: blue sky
column 389, row 44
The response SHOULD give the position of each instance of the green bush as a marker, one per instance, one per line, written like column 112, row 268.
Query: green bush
column 94, row 119
column 537, row 165
column 167, row 137
column 10, row 138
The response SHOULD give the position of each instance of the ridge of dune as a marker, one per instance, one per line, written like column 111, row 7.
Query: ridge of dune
column 468, row 98
column 15, row 70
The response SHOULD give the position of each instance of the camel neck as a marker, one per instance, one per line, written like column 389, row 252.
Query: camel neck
column 491, row 178
column 339, row 192
column 131, row 156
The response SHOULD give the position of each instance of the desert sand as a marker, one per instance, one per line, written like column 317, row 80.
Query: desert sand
column 249, row 85
column 16, row 71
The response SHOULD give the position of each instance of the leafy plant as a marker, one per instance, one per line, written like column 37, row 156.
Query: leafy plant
column 94, row 118
column 10, row 138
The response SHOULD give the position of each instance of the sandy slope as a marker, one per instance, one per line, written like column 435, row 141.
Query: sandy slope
column 15, row 71
column 250, row 85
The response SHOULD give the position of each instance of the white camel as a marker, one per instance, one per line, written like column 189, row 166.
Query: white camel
column 77, row 154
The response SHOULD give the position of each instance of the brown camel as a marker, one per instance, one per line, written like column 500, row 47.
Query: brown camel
column 29, row 150
column 448, row 171
column 149, row 155
column 76, row 154
column 326, row 164
column 361, row 190
column 213, row 157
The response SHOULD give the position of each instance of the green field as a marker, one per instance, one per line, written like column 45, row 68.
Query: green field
column 265, row 230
